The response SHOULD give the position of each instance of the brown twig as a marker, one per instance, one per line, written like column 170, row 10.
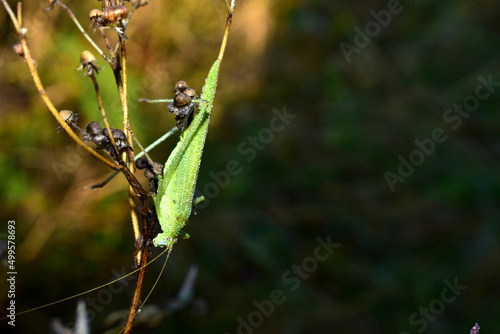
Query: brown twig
column 136, row 189
column 79, row 26
column 104, row 115
column 43, row 94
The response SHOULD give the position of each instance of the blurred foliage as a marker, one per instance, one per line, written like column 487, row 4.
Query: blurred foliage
column 321, row 175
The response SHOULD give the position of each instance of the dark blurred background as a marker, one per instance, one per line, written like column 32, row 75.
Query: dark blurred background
column 412, row 255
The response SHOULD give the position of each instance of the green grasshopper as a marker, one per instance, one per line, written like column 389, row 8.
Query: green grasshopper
column 174, row 198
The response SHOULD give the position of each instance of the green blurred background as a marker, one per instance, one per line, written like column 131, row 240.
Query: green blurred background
column 319, row 176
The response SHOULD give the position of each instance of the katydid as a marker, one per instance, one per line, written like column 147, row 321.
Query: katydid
column 176, row 187
column 174, row 198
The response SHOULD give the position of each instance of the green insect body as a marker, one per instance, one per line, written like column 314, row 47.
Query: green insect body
column 174, row 199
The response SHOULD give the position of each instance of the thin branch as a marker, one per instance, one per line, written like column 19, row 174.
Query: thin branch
column 126, row 126
column 136, row 300
column 43, row 94
column 103, row 113
column 79, row 26
column 17, row 24
column 109, row 46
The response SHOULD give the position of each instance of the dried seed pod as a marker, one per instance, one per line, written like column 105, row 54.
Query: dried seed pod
column 87, row 57
column 190, row 92
column 95, row 134
column 95, row 15
column 142, row 163
column 94, row 129
column 181, row 100
column 114, row 14
column 119, row 134
column 180, row 86
column 68, row 116
column 18, row 49
column 105, row 132
column 120, row 139
column 88, row 63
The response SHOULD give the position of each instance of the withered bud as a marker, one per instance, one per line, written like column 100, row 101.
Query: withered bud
column 93, row 128
column 181, row 100
column 18, row 49
column 88, row 63
column 190, row 92
column 105, row 132
column 118, row 134
column 141, row 163
column 180, row 86
column 68, row 116
column 95, row 134
column 95, row 15
column 87, row 58
column 114, row 14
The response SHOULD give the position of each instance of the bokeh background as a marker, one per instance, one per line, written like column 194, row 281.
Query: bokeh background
column 322, row 175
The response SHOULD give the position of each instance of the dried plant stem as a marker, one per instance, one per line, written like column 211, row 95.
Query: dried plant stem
column 113, row 63
column 17, row 24
column 136, row 190
column 136, row 300
column 79, row 26
column 103, row 112
column 229, row 20
column 43, row 93
column 123, row 92
column 19, row 12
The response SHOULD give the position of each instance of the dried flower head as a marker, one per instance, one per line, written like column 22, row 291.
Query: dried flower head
column 180, row 86
column 95, row 135
column 114, row 14
column 95, row 15
column 88, row 63
column 70, row 118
